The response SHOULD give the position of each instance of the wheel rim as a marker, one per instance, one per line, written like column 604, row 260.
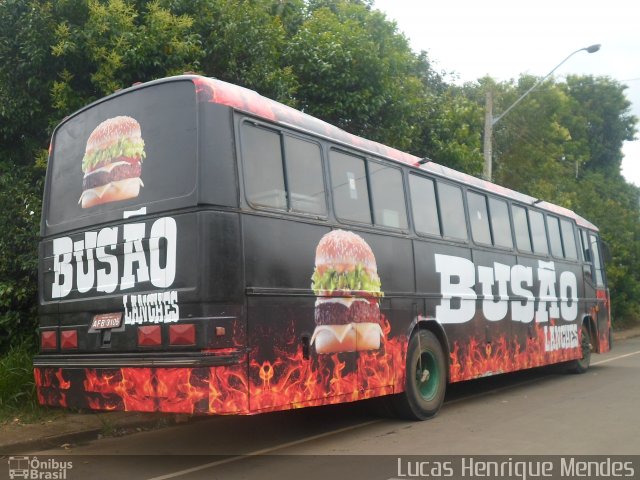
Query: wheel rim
column 427, row 376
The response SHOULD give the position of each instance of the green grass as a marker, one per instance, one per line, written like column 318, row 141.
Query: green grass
column 18, row 399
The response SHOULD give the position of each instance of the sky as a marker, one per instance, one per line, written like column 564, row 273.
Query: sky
column 506, row 38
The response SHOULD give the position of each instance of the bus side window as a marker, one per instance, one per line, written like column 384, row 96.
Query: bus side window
column 304, row 176
column 568, row 240
column 500, row 224
column 521, row 227
column 423, row 205
column 597, row 262
column 387, row 192
column 555, row 240
column 479, row 218
column 454, row 224
column 263, row 174
column 538, row 232
column 350, row 189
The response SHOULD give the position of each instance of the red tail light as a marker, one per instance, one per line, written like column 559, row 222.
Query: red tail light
column 68, row 339
column 182, row 334
column 149, row 335
column 48, row 340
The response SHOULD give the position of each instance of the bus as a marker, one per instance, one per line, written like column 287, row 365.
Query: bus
column 206, row 250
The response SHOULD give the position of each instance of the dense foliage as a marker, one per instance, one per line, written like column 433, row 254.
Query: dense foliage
column 340, row 60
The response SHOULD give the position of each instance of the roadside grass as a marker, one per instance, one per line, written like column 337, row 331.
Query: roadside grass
column 18, row 399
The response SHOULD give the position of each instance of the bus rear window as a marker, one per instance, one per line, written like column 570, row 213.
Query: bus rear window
column 129, row 151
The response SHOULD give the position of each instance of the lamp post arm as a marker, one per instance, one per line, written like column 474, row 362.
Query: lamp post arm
column 495, row 120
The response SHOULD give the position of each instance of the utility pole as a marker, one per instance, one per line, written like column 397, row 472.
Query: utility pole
column 488, row 133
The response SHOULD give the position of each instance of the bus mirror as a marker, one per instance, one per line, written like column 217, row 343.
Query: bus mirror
column 587, row 255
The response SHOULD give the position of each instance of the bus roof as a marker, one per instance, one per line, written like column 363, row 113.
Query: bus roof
column 249, row 101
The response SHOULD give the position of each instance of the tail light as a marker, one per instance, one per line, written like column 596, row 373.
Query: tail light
column 149, row 336
column 182, row 334
column 69, row 339
column 48, row 340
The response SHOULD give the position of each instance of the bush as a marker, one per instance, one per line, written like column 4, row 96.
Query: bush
column 20, row 193
column 17, row 386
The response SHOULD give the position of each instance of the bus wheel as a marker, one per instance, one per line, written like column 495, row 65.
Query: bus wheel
column 582, row 365
column 425, row 378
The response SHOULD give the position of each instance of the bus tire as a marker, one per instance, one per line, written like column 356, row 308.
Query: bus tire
column 582, row 365
column 425, row 378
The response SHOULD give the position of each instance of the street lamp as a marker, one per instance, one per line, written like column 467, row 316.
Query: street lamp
column 490, row 120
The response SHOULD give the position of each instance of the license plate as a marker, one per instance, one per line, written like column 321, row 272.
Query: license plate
column 106, row 320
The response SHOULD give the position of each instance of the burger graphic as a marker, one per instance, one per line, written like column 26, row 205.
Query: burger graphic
column 112, row 162
column 347, row 288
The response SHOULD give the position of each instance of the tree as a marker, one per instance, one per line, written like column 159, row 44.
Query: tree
column 340, row 60
column 356, row 71
column 563, row 144
column 605, row 120
column 451, row 129
column 530, row 142
column 20, row 194
column 114, row 44
column 54, row 58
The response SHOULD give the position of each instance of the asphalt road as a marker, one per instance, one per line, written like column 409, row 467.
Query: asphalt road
column 536, row 412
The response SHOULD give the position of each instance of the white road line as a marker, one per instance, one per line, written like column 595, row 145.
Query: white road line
column 616, row 358
column 261, row 452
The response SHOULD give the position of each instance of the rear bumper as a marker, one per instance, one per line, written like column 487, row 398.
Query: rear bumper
column 194, row 384
column 117, row 360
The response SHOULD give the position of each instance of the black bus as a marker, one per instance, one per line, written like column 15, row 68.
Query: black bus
column 207, row 250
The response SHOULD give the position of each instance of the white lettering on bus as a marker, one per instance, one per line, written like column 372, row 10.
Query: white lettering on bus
column 569, row 292
column 522, row 310
column 107, row 278
column 494, row 310
column 557, row 337
column 458, row 280
column 152, row 308
column 81, row 257
column 547, row 278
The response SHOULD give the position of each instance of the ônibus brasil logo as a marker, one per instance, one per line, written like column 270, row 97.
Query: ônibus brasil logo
column 34, row 468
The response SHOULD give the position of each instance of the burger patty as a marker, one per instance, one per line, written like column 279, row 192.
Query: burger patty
column 121, row 172
column 330, row 313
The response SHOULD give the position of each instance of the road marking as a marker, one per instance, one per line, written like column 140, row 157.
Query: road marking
column 616, row 358
column 262, row 452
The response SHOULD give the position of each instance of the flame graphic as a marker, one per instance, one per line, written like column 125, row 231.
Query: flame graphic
column 51, row 386
column 478, row 359
column 290, row 380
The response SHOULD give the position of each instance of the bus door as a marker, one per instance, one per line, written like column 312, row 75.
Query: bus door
column 596, row 291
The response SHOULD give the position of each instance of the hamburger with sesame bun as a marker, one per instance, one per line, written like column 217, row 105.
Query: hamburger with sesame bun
column 347, row 288
column 112, row 162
